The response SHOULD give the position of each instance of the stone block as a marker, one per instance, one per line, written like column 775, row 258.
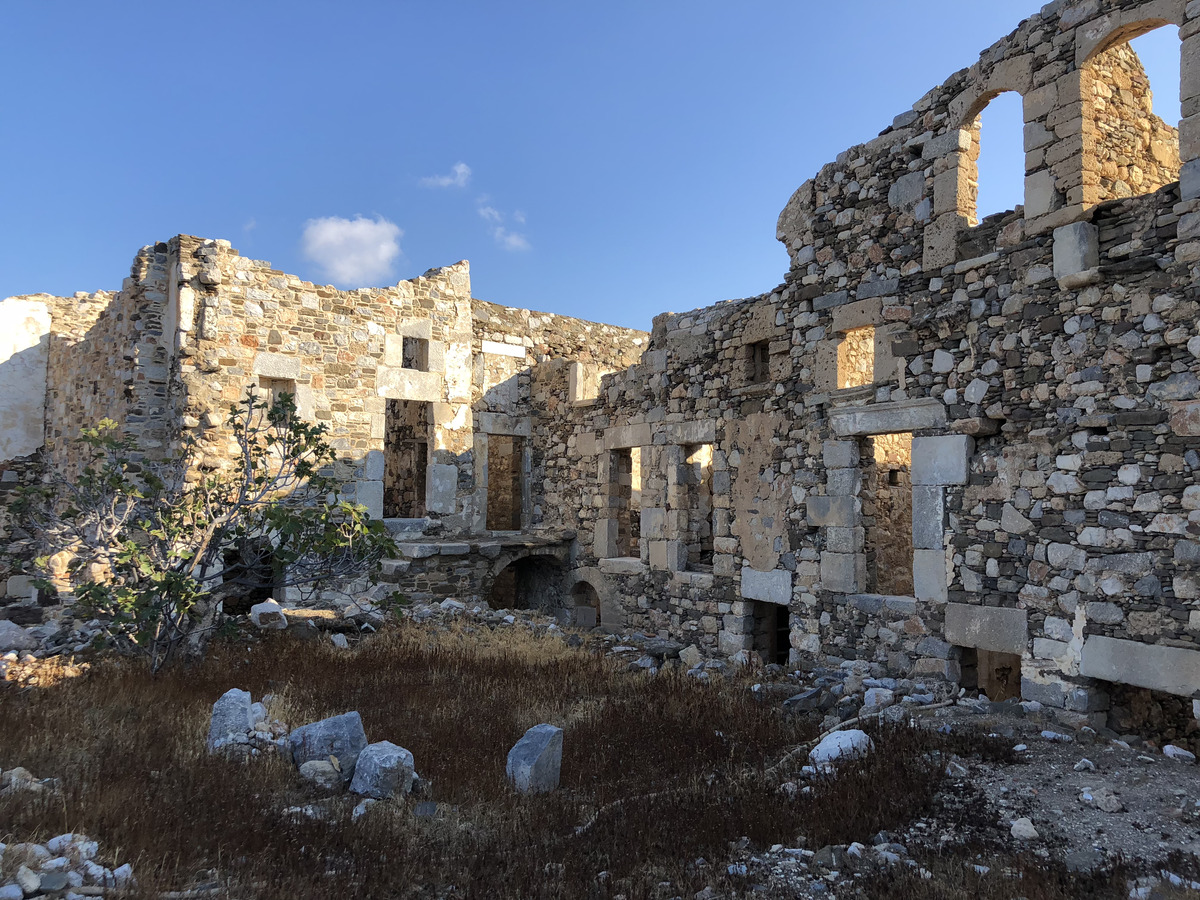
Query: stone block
column 907, row 191
column 1076, row 249
column 769, row 587
column 410, row 384
column 730, row 643
column 1171, row 670
column 1041, row 194
column 858, row 315
column 843, row 482
column 1189, row 180
column 1044, row 648
column 888, row 418
column 843, row 573
column 654, row 524
column 941, row 460
column 1052, row 694
column 844, row 540
column 341, row 736
column 370, row 495
column 626, row 437
column 535, row 761
column 374, row 465
column 838, row 511
column 441, row 489
column 621, row 566
column 699, row 431
column 606, row 534
column 929, row 575
column 383, row 770
column 230, row 722
column 987, row 628
column 21, row 586
column 928, row 517
column 840, row 454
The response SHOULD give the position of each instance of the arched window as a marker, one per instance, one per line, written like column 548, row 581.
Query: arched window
column 1131, row 139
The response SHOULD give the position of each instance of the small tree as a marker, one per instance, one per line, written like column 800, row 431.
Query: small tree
column 155, row 547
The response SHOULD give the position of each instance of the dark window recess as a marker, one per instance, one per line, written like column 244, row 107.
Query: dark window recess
column 758, row 363
column 415, row 354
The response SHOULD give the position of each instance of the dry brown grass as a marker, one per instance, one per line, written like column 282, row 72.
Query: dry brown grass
column 130, row 752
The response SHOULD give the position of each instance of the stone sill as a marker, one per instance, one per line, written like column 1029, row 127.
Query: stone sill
column 622, row 566
column 700, row 580
column 766, row 389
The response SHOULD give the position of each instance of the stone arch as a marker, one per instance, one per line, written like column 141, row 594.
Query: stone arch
column 527, row 581
column 1121, row 26
column 610, row 613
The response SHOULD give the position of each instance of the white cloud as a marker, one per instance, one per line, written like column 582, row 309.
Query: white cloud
column 458, row 177
column 510, row 240
column 353, row 252
column 250, row 225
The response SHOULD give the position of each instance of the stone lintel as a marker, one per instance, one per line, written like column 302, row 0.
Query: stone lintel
column 888, row 418
column 769, row 587
column 1171, row 670
column 987, row 628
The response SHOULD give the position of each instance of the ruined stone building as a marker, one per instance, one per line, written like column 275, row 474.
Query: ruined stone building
column 955, row 447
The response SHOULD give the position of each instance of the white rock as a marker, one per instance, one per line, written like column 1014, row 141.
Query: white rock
column 11, row 892
column 1023, row 830
column 339, row 641
column 1085, row 765
column 14, row 637
column 29, row 880
column 1179, row 753
column 268, row 614
column 231, row 722
column 840, row 745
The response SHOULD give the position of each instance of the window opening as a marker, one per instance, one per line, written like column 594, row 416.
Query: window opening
column 856, row 358
column 758, row 362
column 505, row 492
column 534, row 582
column 998, row 675
column 414, row 354
column 698, row 470
column 773, row 633
column 995, row 162
column 1135, row 151
column 271, row 389
column 406, row 458
column 887, row 514
column 627, row 488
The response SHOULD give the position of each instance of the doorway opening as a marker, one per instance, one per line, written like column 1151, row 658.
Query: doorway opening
column 505, row 490
column 406, row 458
column 996, row 674
column 586, row 604
column 534, row 582
column 773, row 633
column 887, row 514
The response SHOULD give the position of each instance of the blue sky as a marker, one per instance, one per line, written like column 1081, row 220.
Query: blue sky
column 605, row 160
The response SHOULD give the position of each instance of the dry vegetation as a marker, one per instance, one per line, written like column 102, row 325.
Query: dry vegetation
column 129, row 750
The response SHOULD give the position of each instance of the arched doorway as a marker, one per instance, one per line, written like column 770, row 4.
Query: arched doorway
column 585, row 603
column 533, row 582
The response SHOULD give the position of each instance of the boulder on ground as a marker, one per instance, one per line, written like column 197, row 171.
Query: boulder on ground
column 323, row 774
column 14, row 637
column 383, row 770
column 231, row 721
column 268, row 614
column 840, row 745
column 535, row 761
column 339, row 736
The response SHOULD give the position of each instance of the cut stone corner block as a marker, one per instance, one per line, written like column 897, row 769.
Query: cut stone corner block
column 1076, row 249
column 442, row 488
column 843, row 573
column 929, row 575
column 607, row 531
column 942, row 460
column 987, row 628
column 768, row 587
column 370, row 495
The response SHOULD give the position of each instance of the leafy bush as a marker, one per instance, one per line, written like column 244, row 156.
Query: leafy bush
column 156, row 547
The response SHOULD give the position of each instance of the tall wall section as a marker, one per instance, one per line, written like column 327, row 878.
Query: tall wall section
column 1045, row 366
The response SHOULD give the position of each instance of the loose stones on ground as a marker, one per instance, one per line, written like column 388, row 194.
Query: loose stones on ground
column 535, row 761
